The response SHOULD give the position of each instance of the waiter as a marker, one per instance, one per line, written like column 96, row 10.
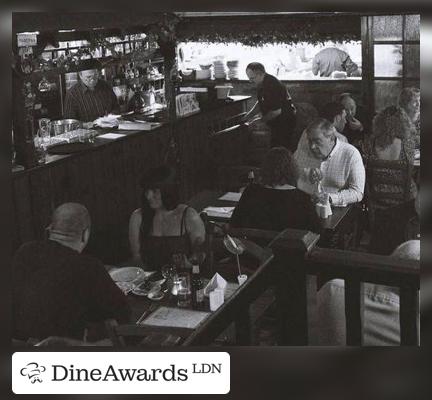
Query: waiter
column 274, row 102
column 91, row 97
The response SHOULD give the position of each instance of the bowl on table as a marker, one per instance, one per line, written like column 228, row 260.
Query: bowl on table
column 60, row 126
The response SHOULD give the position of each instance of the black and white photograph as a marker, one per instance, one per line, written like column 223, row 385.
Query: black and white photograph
column 215, row 179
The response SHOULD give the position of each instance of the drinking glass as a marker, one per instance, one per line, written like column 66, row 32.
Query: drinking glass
column 184, row 295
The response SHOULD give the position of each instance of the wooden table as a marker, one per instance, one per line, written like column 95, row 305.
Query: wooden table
column 211, row 198
column 235, row 309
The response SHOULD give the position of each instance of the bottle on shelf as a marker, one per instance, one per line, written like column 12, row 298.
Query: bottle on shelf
column 251, row 177
column 197, row 287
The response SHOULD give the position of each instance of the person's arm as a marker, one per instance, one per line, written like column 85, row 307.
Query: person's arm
column 196, row 230
column 104, row 299
column 355, row 184
column 115, row 108
column 315, row 65
column 134, row 237
column 350, row 66
column 254, row 110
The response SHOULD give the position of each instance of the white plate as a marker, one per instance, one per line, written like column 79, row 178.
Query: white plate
column 127, row 274
column 156, row 296
column 125, row 287
column 144, row 292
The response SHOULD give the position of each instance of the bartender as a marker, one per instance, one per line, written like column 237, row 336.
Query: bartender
column 275, row 104
column 91, row 97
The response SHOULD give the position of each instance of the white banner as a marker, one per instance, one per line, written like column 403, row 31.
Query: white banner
column 120, row 373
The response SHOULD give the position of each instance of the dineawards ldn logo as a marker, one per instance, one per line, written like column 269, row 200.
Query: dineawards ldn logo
column 33, row 371
column 120, row 373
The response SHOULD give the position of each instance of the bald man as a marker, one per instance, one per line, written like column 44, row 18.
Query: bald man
column 58, row 291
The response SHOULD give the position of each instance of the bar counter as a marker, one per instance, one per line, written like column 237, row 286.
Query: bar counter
column 105, row 178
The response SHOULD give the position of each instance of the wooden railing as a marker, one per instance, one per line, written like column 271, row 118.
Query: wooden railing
column 358, row 268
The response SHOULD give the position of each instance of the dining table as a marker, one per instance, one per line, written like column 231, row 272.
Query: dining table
column 163, row 322
column 209, row 198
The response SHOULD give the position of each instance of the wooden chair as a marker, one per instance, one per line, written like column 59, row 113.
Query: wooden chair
column 388, row 183
column 306, row 112
column 232, row 178
column 357, row 268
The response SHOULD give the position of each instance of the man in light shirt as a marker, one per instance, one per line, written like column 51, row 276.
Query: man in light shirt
column 338, row 165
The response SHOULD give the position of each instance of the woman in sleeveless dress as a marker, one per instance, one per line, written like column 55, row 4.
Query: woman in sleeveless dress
column 161, row 227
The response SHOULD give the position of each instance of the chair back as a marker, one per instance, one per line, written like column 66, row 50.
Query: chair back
column 388, row 183
column 306, row 113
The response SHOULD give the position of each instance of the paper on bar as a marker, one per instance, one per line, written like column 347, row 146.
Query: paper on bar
column 231, row 196
column 111, row 136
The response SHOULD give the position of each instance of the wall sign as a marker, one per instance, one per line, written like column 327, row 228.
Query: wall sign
column 26, row 39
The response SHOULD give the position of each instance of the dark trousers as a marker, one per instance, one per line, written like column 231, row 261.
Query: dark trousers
column 282, row 132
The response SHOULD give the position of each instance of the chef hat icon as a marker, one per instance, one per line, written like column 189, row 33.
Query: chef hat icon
column 33, row 370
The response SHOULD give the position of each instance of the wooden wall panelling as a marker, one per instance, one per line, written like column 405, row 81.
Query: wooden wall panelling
column 41, row 204
column 23, row 213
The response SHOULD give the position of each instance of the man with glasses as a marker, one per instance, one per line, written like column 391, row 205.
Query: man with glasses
column 57, row 290
column 337, row 164
column 91, row 97
column 275, row 104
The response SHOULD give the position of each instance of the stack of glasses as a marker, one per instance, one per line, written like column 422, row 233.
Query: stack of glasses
column 219, row 69
column 233, row 69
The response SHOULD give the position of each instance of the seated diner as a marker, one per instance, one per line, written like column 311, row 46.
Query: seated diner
column 162, row 227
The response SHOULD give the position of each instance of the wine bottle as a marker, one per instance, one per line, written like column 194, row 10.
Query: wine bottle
column 251, row 177
column 197, row 287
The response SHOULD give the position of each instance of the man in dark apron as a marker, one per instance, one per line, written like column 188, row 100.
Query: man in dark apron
column 275, row 104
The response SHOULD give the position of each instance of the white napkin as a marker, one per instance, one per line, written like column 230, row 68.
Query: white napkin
column 109, row 121
column 219, row 211
column 217, row 282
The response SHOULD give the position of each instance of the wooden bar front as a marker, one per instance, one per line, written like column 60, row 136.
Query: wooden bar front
column 105, row 180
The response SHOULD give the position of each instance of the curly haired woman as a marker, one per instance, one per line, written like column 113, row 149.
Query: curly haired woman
column 392, row 138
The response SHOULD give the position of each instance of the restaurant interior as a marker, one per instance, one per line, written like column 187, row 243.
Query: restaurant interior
column 147, row 195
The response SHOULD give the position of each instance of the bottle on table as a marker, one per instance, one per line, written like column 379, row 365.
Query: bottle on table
column 197, row 287
column 251, row 177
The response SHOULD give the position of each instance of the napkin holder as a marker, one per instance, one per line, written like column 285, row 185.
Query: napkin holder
column 217, row 282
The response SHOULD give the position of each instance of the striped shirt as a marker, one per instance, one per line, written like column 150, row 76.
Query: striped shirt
column 343, row 173
column 87, row 105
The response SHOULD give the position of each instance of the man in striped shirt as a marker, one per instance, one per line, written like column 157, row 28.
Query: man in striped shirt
column 91, row 97
column 338, row 164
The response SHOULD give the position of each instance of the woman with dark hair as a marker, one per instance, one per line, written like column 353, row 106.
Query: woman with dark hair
column 276, row 204
column 162, row 227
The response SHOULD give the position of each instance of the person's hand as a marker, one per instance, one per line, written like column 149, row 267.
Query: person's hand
column 315, row 175
column 88, row 125
column 322, row 198
column 355, row 124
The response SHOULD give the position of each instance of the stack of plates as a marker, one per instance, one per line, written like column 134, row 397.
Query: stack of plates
column 219, row 69
column 233, row 69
